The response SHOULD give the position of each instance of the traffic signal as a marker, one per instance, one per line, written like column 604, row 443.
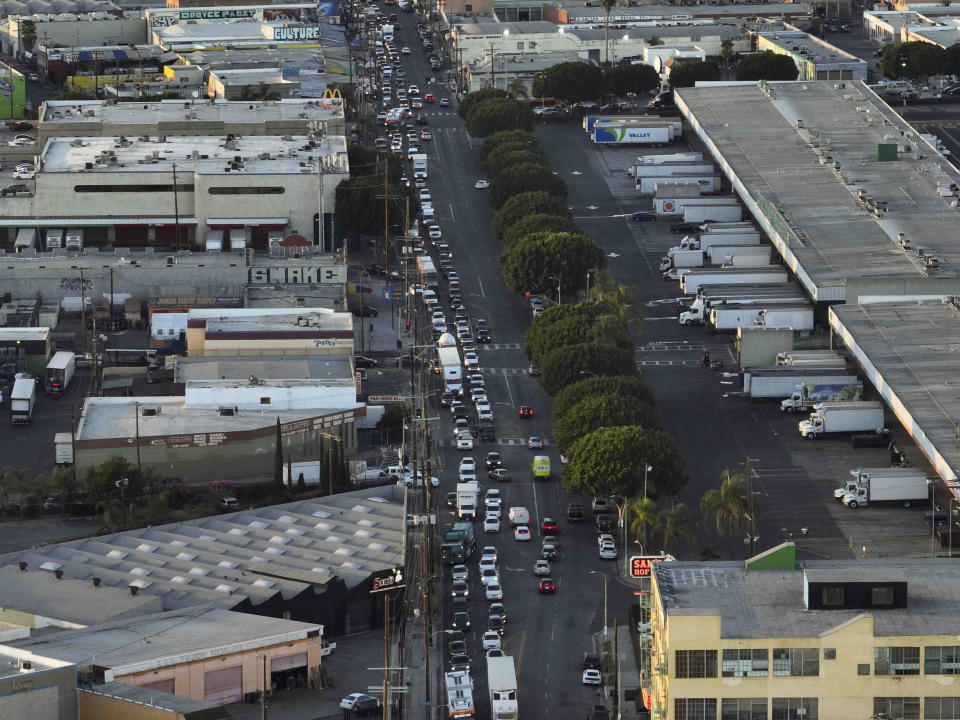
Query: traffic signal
column 408, row 324
column 528, row 293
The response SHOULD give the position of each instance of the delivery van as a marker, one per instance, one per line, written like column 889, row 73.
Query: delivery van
column 541, row 467
column 519, row 516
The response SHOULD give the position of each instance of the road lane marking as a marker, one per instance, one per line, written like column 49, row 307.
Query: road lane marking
column 480, row 283
column 506, row 380
column 452, row 216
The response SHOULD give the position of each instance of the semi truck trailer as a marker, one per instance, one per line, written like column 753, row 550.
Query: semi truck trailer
column 695, row 313
column 682, row 259
column 692, row 281
column 807, row 395
column 798, row 317
column 847, row 417
column 721, row 254
column 22, row 399
column 780, row 382
column 745, row 260
column 702, row 213
column 704, row 241
column 730, row 316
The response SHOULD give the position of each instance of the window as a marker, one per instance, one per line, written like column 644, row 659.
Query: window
column 264, row 401
column 896, row 661
column 941, row 708
column 468, row 7
column 794, row 709
column 745, row 663
column 743, row 709
column 695, row 708
column 863, row 669
column 131, row 188
column 796, row 662
column 881, row 595
column 519, row 46
column 246, row 190
column 901, row 708
column 696, row 663
column 829, row 653
column 832, row 596
column 532, row 45
column 941, row 660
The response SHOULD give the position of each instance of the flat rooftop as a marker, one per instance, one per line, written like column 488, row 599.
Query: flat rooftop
column 265, row 322
column 253, row 57
column 187, row 707
column 109, row 418
column 769, row 603
column 943, row 35
column 323, row 369
column 680, row 13
column 786, row 177
column 807, row 47
column 147, row 258
column 909, row 351
column 198, row 154
column 186, row 111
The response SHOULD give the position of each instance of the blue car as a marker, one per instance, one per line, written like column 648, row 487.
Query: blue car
column 641, row 216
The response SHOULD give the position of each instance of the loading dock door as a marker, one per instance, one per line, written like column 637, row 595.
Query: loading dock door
column 223, row 686
column 166, row 686
column 289, row 662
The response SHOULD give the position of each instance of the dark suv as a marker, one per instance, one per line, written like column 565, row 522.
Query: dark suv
column 574, row 511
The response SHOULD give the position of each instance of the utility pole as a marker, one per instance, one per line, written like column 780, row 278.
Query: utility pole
column 136, row 418
column 750, row 507
column 386, row 650
column 176, row 207
column 493, row 74
column 263, row 695
column 386, row 221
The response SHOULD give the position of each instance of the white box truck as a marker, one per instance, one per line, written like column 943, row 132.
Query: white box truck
column 63, row 449
column 798, row 317
column 459, row 687
column 703, row 213
column 59, row 372
column 706, row 183
column 848, row 417
column 467, row 497
column 746, row 260
column 861, row 474
column 419, row 161
column 452, row 369
column 730, row 317
column 22, row 399
column 691, row 282
column 682, row 259
column 791, row 357
column 705, row 241
column 806, row 395
column 695, row 313
column 905, row 490
column 502, row 682
column 660, row 158
column 719, row 254
column 779, row 382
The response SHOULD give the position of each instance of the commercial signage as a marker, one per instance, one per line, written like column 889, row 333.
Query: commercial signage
column 388, row 580
column 221, row 14
column 297, row 32
column 386, row 398
column 642, row 565
column 304, row 275
column 393, row 293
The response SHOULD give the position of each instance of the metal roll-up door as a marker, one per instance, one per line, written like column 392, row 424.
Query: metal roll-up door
column 223, row 686
column 166, row 686
column 288, row 662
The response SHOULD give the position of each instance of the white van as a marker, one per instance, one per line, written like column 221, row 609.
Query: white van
column 519, row 516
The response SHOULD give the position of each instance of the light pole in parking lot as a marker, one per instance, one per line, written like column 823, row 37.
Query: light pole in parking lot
column 605, row 578
column 557, row 280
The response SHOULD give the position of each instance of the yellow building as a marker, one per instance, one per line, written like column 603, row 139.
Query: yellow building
column 773, row 639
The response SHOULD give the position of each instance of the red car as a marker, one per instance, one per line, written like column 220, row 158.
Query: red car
column 426, row 135
column 525, row 411
column 547, row 586
column 430, row 98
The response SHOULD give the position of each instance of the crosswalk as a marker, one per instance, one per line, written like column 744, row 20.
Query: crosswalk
column 502, row 371
column 642, row 363
column 499, row 441
column 501, row 346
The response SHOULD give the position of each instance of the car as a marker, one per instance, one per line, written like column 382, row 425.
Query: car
column 404, row 50
column 643, row 216
column 492, row 495
column 592, row 677
column 421, row 119
column 460, row 572
column 471, row 359
column 494, row 509
column 521, row 533
column 18, row 125
column 603, row 538
column 525, row 411
column 574, row 512
column 479, row 395
column 549, row 552
column 500, row 475
column 533, row 371
column 457, row 648
column 426, row 135
column 534, row 442
column 24, row 175
column 451, row 499
column 491, row 524
column 499, row 610
column 547, row 586
column 476, row 378
column 484, row 411
column 22, row 142
column 608, row 551
column 444, row 102
column 430, row 98
column 548, row 527
column 467, row 463
column 494, row 591
column 495, row 652
column 465, row 442
column 481, row 184
column 367, row 311
column 434, row 232
column 360, row 703
column 460, row 621
column 684, row 227
column 362, row 361
column 425, row 194
column 488, row 575
column 459, row 588
column 590, row 662
column 483, row 335
column 416, row 102
column 541, row 567
column 489, row 554
column 491, row 640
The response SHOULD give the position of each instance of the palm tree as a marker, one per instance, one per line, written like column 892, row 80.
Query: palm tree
column 727, row 507
column 643, row 519
column 517, row 89
column 608, row 5
column 726, row 53
column 675, row 523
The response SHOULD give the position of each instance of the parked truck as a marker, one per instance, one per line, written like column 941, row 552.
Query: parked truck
column 63, row 449
column 660, row 158
column 695, row 312
column 860, row 475
column 633, row 135
column 745, row 260
column 791, row 357
column 798, row 317
column 682, row 259
column 459, row 694
column 905, row 490
column 780, row 382
column 720, row 254
column 650, row 184
column 59, row 372
column 22, row 399
column 502, row 682
column 702, row 213
column 734, row 315
column 691, row 282
column 467, row 498
column 809, row 394
column 448, row 360
column 848, row 417
column 458, row 543
column 707, row 240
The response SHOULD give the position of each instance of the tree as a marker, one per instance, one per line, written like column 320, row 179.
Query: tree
column 726, row 51
column 476, row 97
column 63, row 483
column 654, row 40
column 627, row 386
column 766, row 65
column 570, row 81
column 496, row 114
column 358, row 208
column 644, row 520
column 686, row 73
column 631, row 78
column 101, row 481
column 527, row 177
column 675, row 523
column 569, row 324
column 611, row 461
column 914, row 60
column 726, row 508
column 524, row 204
column 538, row 222
column 506, row 137
column 603, row 410
column 278, row 461
column 565, row 365
column 517, row 89
column 533, row 263
column 301, row 483
column 502, row 164
column 28, row 35
column 953, row 59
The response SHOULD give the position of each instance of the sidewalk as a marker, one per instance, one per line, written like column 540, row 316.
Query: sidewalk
column 629, row 679
column 416, row 706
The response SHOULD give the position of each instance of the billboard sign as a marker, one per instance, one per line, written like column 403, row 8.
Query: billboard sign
column 385, row 580
column 641, row 566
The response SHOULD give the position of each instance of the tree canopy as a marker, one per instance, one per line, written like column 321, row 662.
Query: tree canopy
column 505, row 137
column 602, row 410
column 531, row 263
column 523, row 204
column 631, row 78
column 526, row 177
column 501, row 164
column 495, row 114
column 563, row 366
column 686, row 73
column 611, row 461
column 766, row 65
column 538, row 222
column 358, row 208
column 569, row 81
column 569, row 324
column 913, row 60
column 630, row 386
column 470, row 100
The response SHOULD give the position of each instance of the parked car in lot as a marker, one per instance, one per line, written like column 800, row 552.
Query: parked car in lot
column 592, row 677
column 360, row 703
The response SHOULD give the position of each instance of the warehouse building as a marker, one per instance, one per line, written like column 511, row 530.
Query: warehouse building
column 174, row 190
column 313, row 561
column 853, row 199
column 771, row 637
column 28, row 348
column 72, row 29
column 40, row 691
column 100, row 118
column 272, row 331
column 814, row 58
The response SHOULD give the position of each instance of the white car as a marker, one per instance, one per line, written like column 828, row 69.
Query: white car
column 484, row 411
column 460, row 572
column 434, row 232
column 22, row 142
column 592, row 677
column 404, row 50
column 465, row 442
column 471, row 359
column 24, row 175
column 479, row 395
column 489, row 575
column 467, row 475
column 482, row 184
column 494, row 591
column 489, row 552
column 496, row 652
column 488, row 561
column 468, row 463
column 522, row 533
column 608, row 551
column 491, row 640
column 491, row 524
column 425, row 195
column 413, row 89
column 675, row 273
column 540, row 567
column 350, row 701
column 605, row 538
column 493, row 495
column 430, row 298
column 494, row 509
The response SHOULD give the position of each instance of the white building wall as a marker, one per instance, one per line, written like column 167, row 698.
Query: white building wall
column 300, row 397
column 80, row 33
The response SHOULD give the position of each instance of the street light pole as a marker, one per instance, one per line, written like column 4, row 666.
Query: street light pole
column 558, row 288
column 605, row 578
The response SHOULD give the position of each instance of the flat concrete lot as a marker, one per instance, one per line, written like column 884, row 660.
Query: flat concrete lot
column 714, row 429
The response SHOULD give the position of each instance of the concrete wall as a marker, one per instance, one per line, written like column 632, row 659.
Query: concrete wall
column 79, row 33
column 41, row 695
column 864, row 290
